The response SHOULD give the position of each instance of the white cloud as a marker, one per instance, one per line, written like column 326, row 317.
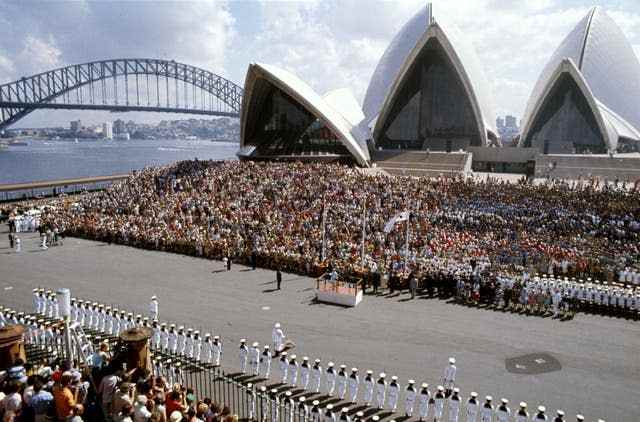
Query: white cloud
column 39, row 55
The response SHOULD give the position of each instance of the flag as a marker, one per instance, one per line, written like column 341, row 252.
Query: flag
column 403, row 216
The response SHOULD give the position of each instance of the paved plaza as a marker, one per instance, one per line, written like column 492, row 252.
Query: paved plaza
column 590, row 364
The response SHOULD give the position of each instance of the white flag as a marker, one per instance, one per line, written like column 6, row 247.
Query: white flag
column 403, row 216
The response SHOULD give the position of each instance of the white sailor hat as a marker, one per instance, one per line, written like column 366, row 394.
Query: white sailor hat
column 343, row 366
column 330, row 364
column 440, row 388
column 288, row 394
column 382, row 375
column 489, row 398
column 394, row 378
column 424, row 385
column 101, row 306
column 266, row 347
column 190, row 330
column 242, row 340
column 283, row 354
column 504, row 401
column 216, row 337
column 375, row 418
column 293, row 357
column 139, row 316
column 369, row 372
column 153, row 297
column 207, row 335
column 474, row 394
column 452, row 360
column 523, row 404
column 560, row 412
column 145, row 319
column 35, row 290
column 274, row 390
column 130, row 314
column 173, row 326
column 263, row 388
column 329, row 406
column 579, row 417
column 196, row 333
column 277, row 325
column 344, row 410
column 181, row 327
column 305, row 358
column 316, row 361
column 542, row 409
column 94, row 304
column 412, row 381
column 315, row 402
column 302, row 399
column 354, row 369
column 249, row 385
column 255, row 344
column 360, row 414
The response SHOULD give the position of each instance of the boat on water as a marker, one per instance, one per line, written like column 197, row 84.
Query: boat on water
column 19, row 143
column 76, row 140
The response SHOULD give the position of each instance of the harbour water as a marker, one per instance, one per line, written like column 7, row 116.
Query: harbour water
column 41, row 160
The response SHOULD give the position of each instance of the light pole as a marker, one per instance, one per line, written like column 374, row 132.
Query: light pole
column 64, row 306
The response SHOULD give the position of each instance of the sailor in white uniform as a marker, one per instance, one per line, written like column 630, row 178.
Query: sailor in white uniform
column 207, row 348
column 293, row 370
column 423, row 401
column 409, row 399
column 284, row 367
column 217, row 350
column 522, row 415
column 449, row 377
column 316, row 376
column 486, row 412
column 393, row 393
column 438, row 403
column 368, row 385
column 305, row 370
column 354, row 384
column 330, row 379
column 503, row 413
column 242, row 355
column 153, row 308
column 381, row 391
column 265, row 362
column 254, row 358
column 341, row 383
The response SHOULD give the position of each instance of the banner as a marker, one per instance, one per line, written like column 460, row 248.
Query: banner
column 403, row 216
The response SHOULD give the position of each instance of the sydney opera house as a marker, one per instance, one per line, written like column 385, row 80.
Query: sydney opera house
column 429, row 108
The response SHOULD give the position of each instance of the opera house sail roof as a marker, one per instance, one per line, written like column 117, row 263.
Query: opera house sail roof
column 585, row 100
column 428, row 89
column 284, row 118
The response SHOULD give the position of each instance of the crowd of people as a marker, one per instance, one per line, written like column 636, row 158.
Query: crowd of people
column 273, row 214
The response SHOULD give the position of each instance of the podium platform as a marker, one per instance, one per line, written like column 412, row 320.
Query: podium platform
column 339, row 292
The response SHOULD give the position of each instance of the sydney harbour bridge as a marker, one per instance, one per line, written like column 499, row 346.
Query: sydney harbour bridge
column 121, row 85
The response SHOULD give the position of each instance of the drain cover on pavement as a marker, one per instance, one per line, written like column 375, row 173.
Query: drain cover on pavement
column 532, row 364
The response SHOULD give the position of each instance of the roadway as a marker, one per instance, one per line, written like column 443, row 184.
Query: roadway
column 593, row 360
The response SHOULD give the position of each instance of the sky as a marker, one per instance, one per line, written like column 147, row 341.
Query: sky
column 328, row 43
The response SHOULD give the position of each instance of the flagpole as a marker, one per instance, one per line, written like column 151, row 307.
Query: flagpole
column 406, row 244
column 364, row 228
column 324, row 231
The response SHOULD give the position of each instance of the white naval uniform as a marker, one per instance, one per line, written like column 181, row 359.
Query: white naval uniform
column 423, row 403
column 503, row 413
column 155, row 340
column 341, row 384
column 275, row 406
column 454, row 408
column 393, row 392
column 182, row 339
column 367, row 396
column 188, row 346
column 207, row 350
column 254, row 360
column 316, row 372
column 173, row 341
column 217, row 352
column 354, row 384
column 284, row 368
column 438, row 406
column 153, row 310
column 164, row 339
column 265, row 363
column 449, row 378
column 278, row 339
column 197, row 348
column 293, row 372
column 242, row 355
column 472, row 410
column 381, row 389
column 409, row 400
column 522, row 416
column 304, row 374
column 486, row 413
column 331, row 381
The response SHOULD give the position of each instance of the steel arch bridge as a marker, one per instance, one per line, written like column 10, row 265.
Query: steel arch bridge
column 121, row 85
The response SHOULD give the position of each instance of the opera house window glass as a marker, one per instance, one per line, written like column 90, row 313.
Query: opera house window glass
column 431, row 109
column 565, row 123
column 283, row 127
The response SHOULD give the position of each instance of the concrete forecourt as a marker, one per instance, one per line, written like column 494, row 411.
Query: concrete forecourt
column 594, row 360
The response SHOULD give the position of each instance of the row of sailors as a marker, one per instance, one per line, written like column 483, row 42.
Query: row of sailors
column 272, row 402
column 379, row 393
column 613, row 295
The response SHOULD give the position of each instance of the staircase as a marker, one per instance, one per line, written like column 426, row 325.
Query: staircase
column 571, row 167
column 423, row 163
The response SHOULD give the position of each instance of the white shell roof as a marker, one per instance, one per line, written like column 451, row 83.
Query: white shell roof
column 395, row 56
column 305, row 95
column 606, row 60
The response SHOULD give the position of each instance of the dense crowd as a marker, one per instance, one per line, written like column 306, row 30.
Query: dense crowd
column 273, row 213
